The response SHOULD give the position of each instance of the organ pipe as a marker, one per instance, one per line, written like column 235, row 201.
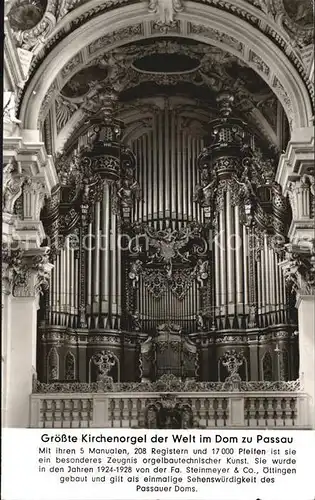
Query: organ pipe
column 90, row 244
column 168, row 179
column 229, row 251
column 96, row 277
column 222, row 250
column 105, row 248
column 239, row 259
column 216, row 252
column 245, row 257
column 267, row 273
column 173, row 164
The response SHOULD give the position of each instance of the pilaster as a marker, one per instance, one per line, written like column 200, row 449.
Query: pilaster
column 25, row 274
column 299, row 273
column 296, row 175
column 28, row 177
column 254, row 359
column 306, row 308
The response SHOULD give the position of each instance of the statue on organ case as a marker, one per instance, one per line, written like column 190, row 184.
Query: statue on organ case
column 135, row 270
column 202, row 270
column 200, row 322
column 136, row 324
column 204, row 194
column 128, row 191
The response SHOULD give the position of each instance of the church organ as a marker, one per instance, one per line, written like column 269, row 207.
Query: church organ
column 182, row 230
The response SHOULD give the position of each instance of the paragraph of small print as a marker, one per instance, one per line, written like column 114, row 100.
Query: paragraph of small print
column 142, row 465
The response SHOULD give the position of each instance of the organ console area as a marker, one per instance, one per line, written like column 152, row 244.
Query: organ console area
column 167, row 231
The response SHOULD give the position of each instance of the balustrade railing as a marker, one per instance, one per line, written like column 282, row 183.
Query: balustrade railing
column 240, row 410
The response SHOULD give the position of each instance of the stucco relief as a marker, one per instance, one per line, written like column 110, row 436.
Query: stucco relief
column 166, row 10
column 198, row 64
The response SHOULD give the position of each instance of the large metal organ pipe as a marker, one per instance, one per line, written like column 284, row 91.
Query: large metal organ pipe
column 166, row 172
column 231, row 271
column 102, row 277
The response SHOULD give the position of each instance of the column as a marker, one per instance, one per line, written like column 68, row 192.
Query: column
column 299, row 273
column 30, row 272
column 29, row 176
column 22, row 366
column 296, row 175
column 5, row 337
column 306, row 310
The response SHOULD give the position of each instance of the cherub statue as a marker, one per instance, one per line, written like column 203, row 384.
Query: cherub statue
column 202, row 269
column 200, row 322
column 204, row 194
column 136, row 324
column 11, row 185
column 246, row 189
column 134, row 272
column 128, row 191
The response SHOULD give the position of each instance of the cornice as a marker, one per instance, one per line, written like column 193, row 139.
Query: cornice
column 298, row 158
column 302, row 299
column 33, row 158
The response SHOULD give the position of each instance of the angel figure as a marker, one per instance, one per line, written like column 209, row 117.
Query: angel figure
column 204, row 194
column 246, row 188
column 12, row 185
column 128, row 191
column 202, row 271
column 200, row 322
column 134, row 272
column 136, row 324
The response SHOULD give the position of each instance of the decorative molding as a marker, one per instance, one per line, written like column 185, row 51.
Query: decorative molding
column 29, row 39
column 245, row 15
column 216, row 35
column 12, row 63
column 166, row 384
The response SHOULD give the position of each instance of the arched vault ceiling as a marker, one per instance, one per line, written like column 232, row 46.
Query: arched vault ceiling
column 168, row 66
column 253, row 33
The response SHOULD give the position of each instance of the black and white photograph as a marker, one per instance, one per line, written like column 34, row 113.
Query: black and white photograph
column 158, row 202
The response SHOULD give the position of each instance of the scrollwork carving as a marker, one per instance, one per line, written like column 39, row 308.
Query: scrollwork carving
column 13, row 181
column 232, row 360
column 168, row 384
column 104, row 361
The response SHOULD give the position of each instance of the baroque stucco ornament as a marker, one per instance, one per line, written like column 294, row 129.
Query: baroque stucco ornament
column 28, row 271
column 166, row 10
column 166, row 384
column 13, row 181
column 212, row 70
column 299, row 268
